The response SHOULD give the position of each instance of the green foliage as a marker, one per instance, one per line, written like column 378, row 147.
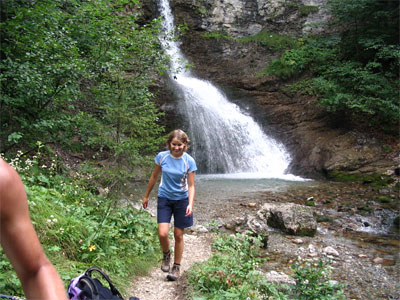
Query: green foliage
column 376, row 181
column 216, row 35
column 242, row 245
column 41, row 66
column 312, row 55
column 396, row 222
column 213, row 226
column 312, row 282
column 273, row 41
column 77, row 73
column 349, row 86
column 310, row 203
column 9, row 282
column 384, row 199
column 305, row 10
column 355, row 71
column 363, row 22
column 387, row 148
column 232, row 273
column 202, row 11
column 78, row 229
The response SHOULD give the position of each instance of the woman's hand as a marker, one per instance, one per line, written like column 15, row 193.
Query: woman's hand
column 189, row 210
column 145, row 202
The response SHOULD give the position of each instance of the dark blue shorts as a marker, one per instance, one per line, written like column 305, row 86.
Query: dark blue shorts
column 167, row 208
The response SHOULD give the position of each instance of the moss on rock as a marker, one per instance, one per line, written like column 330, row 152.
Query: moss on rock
column 377, row 181
column 396, row 222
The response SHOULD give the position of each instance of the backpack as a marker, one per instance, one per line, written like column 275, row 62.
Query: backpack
column 85, row 287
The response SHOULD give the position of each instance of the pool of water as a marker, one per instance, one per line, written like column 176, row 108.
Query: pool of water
column 220, row 187
column 218, row 195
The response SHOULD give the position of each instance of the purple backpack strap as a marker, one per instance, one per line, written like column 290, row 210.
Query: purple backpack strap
column 74, row 293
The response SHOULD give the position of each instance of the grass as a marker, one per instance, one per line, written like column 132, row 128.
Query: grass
column 79, row 229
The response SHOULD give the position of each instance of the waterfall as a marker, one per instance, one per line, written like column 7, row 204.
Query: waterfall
column 224, row 139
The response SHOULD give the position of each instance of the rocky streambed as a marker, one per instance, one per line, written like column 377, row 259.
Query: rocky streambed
column 356, row 231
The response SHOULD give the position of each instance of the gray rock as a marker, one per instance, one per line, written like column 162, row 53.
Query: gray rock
column 330, row 251
column 239, row 18
column 291, row 218
column 200, row 229
column 279, row 278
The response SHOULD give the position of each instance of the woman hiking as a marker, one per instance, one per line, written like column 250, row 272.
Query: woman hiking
column 175, row 196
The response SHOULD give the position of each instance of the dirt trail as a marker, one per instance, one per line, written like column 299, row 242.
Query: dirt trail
column 155, row 285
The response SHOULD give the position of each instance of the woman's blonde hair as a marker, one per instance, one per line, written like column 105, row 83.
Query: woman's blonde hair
column 180, row 135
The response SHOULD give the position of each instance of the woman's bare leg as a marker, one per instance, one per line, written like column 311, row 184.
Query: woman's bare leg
column 163, row 229
column 178, row 235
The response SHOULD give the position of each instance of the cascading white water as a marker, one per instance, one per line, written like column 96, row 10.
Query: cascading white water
column 224, row 139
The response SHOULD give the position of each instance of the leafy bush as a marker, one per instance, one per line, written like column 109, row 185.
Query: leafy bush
column 312, row 281
column 354, row 70
column 232, row 273
column 350, row 86
column 78, row 229
column 313, row 55
column 77, row 74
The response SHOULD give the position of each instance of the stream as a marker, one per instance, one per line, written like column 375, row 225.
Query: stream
column 217, row 194
column 351, row 220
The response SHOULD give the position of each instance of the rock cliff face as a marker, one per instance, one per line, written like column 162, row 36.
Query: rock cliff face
column 239, row 18
column 318, row 142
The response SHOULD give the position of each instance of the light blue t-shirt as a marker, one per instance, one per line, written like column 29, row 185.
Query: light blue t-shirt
column 173, row 185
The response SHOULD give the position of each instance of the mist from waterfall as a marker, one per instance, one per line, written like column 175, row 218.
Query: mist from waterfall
column 225, row 140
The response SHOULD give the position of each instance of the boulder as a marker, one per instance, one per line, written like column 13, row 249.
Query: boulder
column 291, row 218
column 252, row 224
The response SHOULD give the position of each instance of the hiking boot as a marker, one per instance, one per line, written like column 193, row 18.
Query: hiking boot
column 174, row 274
column 166, row 261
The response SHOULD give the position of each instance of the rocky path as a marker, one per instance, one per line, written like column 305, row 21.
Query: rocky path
column 155, row 286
